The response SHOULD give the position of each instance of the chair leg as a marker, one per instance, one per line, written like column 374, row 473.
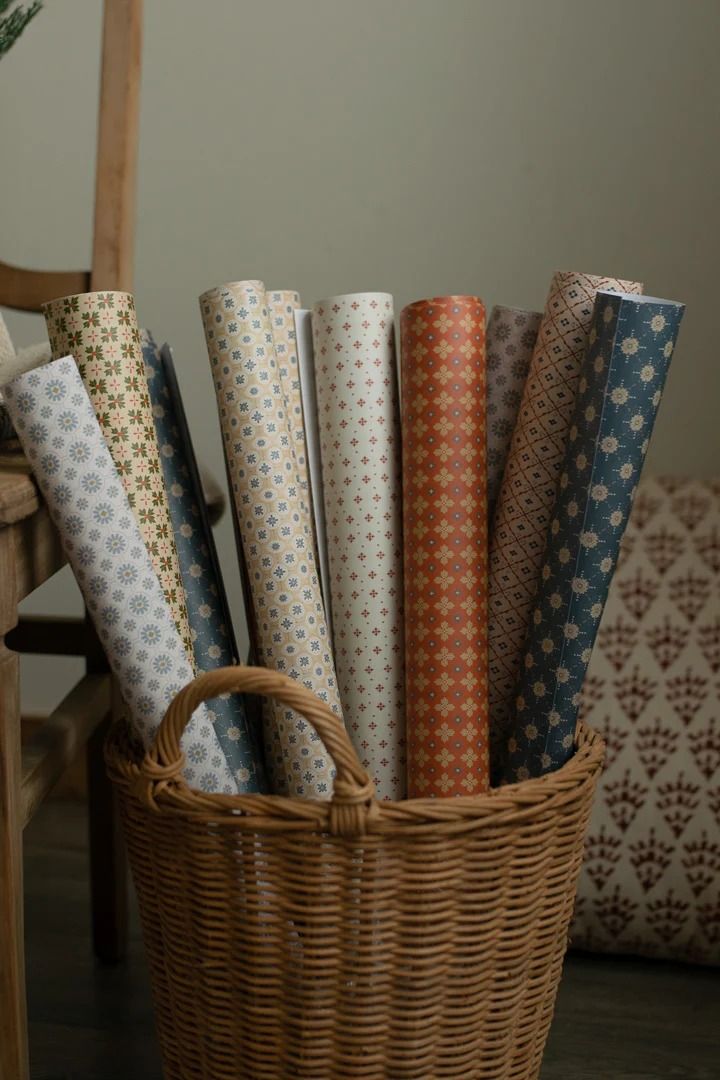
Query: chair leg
column 14, row 1064
column 108, row 865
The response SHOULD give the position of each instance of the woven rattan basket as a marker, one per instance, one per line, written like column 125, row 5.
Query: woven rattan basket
column 420, row 940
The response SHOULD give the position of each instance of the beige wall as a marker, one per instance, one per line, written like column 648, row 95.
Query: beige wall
column 414, row 146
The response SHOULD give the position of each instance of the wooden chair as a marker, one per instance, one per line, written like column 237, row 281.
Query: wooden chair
column 30, row 553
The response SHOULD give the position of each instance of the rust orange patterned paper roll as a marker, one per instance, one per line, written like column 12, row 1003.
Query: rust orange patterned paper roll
column 445, row 543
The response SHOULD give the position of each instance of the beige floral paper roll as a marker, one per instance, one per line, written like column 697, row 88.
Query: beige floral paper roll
column 100, row 331
column 275, row 527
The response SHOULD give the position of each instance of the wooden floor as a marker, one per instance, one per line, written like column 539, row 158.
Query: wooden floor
column 616, row 1019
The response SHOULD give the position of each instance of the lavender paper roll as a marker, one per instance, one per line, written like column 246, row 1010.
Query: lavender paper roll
column 210, row 627
column 510, row 340
column 61, row 437
column 631, row 342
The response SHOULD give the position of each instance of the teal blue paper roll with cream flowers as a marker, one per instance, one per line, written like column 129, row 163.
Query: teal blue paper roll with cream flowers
column 210, row 626
column 629, row 351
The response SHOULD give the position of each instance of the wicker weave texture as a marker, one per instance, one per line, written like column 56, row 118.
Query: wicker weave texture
column 289, row 938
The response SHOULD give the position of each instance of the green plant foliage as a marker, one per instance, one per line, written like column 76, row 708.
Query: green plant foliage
column 12, row 25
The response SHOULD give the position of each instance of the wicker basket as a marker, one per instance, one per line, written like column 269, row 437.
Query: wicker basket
column 420, row 940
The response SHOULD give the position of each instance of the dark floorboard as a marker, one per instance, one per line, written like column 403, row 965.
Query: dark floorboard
column 616, row 1019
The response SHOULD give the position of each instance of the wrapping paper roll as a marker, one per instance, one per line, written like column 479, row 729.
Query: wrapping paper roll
column 7, row 349
column 511, row 337
column 14, row 364
column 100, row 330
column 281, row 305
column 529, row 484
column 275, row 525
column 357, row 398
column 210, row 627
column 631, row 343
column 308, row 393
column 445, row 542
column 61, row 437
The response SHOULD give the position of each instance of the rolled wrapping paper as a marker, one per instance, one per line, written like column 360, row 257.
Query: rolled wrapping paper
column 57, row 426
column 357, row 400
column 100, row 330
column 529, row 484
column 445, row 544
column 631, row 343
column 210, row 628
column 510, row 340
column 282, row 304
column 200, row 508
column 7, row 349
column 275, row 526
column 306, row 370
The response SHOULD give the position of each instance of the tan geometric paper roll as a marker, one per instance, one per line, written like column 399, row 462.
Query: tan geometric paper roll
column 275, row 525
column 281, row 304
column 527, row 493
column 100, row 330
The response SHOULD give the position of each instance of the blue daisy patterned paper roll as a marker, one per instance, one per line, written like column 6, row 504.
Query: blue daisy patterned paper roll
column 210, row 626
column 629, row 350
column 61, row 437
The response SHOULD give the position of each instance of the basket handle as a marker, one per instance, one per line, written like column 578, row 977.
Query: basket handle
column 353, row 801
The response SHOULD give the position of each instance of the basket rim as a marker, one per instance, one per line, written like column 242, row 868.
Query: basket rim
column 510, row 804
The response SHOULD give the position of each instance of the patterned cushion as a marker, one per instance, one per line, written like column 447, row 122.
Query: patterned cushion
column 650, row 883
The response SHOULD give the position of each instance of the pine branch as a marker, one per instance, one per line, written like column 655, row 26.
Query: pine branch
column 12, row 26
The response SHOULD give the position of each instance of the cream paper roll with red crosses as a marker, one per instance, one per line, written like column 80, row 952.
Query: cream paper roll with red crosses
column 358, row 419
